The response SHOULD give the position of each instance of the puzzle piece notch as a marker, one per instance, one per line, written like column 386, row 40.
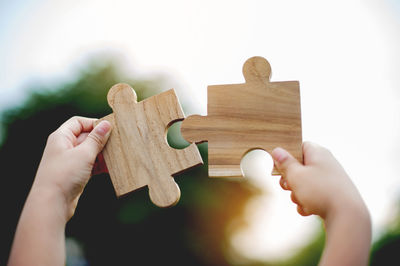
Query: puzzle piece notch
column 257, row 114
column 137, row 153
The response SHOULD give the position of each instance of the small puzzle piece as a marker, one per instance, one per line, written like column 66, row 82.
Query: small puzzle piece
column 137, row 153
column 257, row 114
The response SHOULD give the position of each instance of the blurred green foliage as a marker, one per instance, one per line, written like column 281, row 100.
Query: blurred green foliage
column 310, row 254
column 385, row 251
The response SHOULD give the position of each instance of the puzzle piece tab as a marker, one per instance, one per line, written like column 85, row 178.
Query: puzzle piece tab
column 257, row 114
column 137, row 153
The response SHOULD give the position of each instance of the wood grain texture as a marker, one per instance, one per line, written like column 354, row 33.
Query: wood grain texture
column 137, row 153
column 257, row 114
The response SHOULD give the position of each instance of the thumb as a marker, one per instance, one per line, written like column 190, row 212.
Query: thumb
column 284, row 161
column 96, row 139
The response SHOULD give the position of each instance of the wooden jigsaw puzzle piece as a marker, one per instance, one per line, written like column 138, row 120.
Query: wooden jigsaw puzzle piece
column 137, row 153
column 224, row 142
column 113, row 156
column 257, row 114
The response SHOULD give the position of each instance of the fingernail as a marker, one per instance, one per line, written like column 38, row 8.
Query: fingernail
column 279, row 155
column 103, row 128
column 285, row 184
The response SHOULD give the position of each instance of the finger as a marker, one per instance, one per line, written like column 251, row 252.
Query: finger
column 313, row 152
column 293, row 198
column 284, row 161
column 77, row 125
column 96, row 139
column 302, row 211
column 81, row 138
column 283, row 183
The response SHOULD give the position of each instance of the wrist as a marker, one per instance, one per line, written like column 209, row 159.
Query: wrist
column 50, row 200
column 352, row 211
column 39, row 238
column 348, row 235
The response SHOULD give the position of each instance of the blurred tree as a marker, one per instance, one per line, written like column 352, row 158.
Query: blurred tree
column 385, row 249
column 310, row 254
column 307, row 255
column 115, row 231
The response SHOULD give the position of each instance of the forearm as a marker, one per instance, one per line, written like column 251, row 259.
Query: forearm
column 348, row 237
column 39, row 238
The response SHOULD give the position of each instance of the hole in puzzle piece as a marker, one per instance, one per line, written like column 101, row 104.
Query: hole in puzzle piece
column 174, row 136
column 257, row 165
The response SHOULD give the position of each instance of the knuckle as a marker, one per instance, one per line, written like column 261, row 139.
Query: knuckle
column 72, row 119
column 283, row 183
column 308, row 147
column 293, row 198
column 52, row 137
column 302, row 211
column 75, row 117
column 96, row 139
column 289, row 182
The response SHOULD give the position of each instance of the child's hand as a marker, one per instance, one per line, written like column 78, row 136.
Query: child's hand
column 69, row 158
column 322, row 187
column 65, row 169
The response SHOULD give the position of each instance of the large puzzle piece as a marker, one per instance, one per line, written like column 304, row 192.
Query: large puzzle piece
column 137, row 153
column 257, row 114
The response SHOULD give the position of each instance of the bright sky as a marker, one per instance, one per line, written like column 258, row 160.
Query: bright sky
column 344, row 53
